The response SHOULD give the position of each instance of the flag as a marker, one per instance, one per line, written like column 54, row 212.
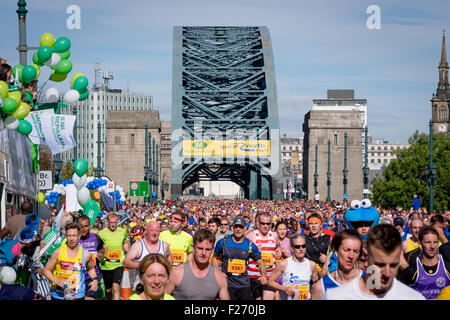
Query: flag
column 57, row 223
column 53, row 130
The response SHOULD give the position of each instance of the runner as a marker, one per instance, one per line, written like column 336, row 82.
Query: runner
column 180, row 242
column 66, row 266
column 347, row 244
column 154, row 270
column 384, row 247
column 149, row 244
column 317, row 243
column 430, row 274
column 297, row 272
column 115, row 241
column 92, row 243
column 235, row 251
column 267, row 242
column 197, row 279
column 136, row 231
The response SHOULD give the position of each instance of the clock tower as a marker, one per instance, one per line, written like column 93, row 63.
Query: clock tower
column 440, row 102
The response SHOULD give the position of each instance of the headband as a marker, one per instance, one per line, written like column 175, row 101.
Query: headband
column 313, row 219
column 176, row 218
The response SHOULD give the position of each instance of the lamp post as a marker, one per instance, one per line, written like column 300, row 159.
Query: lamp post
column 366, row 166
column 316, row 176
column 146, row 159
column 345, row 171
column 99, row 170
column 75, row 131
column 431, row 168
column 58, row 168
column 153, row 166
column 157, row 172
column 329, row 172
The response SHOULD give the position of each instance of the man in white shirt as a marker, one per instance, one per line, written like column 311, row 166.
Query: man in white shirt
column 384, row 247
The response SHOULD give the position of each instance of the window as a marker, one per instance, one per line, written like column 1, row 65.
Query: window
column 385, row 160
column 335, row 139
column 132, row 139
column 372, row 160
column 443, row 112
column 117, row 140
column 379, row 161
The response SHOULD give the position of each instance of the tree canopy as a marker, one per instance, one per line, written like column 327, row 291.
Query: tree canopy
column 406, row 175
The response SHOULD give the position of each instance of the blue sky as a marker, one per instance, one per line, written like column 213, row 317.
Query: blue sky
column 317, row 45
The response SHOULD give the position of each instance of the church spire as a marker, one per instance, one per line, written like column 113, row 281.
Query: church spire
column 443, row 89
column 443, row 63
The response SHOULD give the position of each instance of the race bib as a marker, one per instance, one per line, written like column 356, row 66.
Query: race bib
column 113, row 255
column 178, row 256
column 267, row 258
column 303, row 292
column 68, row 277
column 236, row 266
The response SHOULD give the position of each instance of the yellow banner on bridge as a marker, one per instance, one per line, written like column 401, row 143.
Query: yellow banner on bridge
column 223, row 148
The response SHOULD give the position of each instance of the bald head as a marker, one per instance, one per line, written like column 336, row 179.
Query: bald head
column 152, row 231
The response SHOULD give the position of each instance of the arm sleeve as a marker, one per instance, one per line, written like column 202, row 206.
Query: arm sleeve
column 409, row 274
column 100, row 243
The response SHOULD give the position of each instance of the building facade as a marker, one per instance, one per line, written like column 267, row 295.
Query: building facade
column 344, row 100
column 93, row 110
column 331, row 128
column 292, row 162
column 125, row 150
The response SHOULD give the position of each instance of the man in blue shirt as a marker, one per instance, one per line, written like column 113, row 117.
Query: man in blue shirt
column 235, row 251
column 416, row 203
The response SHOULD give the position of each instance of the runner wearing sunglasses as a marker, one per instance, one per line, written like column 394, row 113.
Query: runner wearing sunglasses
column 298, row 273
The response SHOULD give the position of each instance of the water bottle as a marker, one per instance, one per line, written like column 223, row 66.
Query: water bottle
column 68, row 292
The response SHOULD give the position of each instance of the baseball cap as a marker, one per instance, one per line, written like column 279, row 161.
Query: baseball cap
column 399, row 222
column 239, row 220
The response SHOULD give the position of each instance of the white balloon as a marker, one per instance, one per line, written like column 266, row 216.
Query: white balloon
column 52, row 95
column 79, row 182
column 11, row 123
column 7, row 275
column 71, row 96
column 83, row 195
column 54, row 60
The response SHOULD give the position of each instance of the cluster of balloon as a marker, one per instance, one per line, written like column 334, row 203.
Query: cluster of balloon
column 83, row 184
column 14, row 110
column 55, row 54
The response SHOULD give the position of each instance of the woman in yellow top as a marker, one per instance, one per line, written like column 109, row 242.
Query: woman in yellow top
column 154, row 272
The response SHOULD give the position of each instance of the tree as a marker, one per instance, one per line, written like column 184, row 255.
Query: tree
column 406, row 175
column 67, row 171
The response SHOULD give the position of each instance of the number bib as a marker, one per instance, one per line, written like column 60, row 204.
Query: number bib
column 236, row 266
column 303, row 292
column 178, row 256
column 113, row 255
column 267, row 258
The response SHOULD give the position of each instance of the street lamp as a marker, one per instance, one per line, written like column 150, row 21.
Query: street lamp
column 58, row 168
column 316, row 176
column 329, row 172
column 99, row 169
column 431, row 168
column 366, row 166
column 345, row 171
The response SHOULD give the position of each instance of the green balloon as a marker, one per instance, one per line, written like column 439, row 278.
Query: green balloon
column 9, row 105
column 91, row 209
column 17, row 69
column 58, row 77
column 4, row 89
column 28, row 73
column 62, row 44
column 64, row 55
column 44, row 53
column 64, row 67
column 84, row 95
column 24, row 128
column 80, row 167
column 80, row 84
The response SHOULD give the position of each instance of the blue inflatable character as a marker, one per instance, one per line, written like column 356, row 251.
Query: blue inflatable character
column 361, row 217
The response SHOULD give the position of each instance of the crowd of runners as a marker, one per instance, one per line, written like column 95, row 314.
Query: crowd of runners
column 228, row 250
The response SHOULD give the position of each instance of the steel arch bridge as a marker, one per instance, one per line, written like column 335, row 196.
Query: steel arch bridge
column 225, row 124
